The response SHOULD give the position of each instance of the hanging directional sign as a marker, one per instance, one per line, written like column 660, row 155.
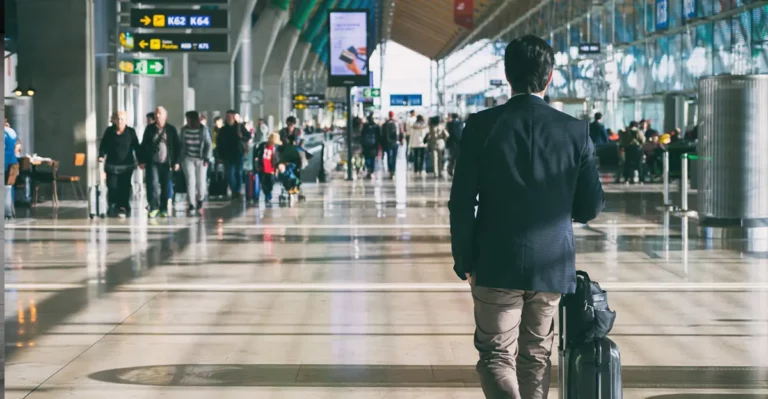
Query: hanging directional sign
column 308, row 101
column 145, row 66
column 161, row 18
column 180, row 2
column 179, row 42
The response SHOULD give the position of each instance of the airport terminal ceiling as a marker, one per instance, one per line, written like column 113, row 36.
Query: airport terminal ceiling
column 428, row 27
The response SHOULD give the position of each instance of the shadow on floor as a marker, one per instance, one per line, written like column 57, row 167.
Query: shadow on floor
column 320, row 375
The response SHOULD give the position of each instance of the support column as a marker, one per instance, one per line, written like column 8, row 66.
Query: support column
column 277, row 65
column 173, row 90
column 60, row 64
column 245, row 77
column 263, row 36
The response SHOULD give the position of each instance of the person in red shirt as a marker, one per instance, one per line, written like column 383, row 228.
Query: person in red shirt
column 265, row 161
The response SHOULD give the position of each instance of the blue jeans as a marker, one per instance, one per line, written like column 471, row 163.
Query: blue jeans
column 391, row 158
column 234, row 171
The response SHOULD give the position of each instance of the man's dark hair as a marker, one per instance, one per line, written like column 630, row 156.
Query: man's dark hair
column 455, row 116
column 291, row 120
column 633, row 124
column 528, row 63
column 231, row 112
column 193, row 115
column 151, row 115
column 598, row 116
column 216, row 119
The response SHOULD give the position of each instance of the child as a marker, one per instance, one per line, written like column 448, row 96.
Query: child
column 265, row 162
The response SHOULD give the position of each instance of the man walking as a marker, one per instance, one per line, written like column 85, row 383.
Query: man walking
column 455, row 128
column 597, row 130
column 369, row 138
column 390, row 142
column 160, row 146
column 195, row 152
column 535, row 169
column 231, row 147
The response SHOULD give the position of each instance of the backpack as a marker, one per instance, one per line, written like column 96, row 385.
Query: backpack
column 390, row 132
column 588, row 316
column 369, row 135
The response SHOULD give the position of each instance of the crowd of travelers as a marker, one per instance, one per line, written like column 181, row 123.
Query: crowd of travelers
column 435, row 141
column 223, row 160
column 640, row 147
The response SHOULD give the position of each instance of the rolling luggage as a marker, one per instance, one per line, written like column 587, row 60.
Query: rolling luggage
column 218, row 185
column 589, row 361
column 252, row 188
column 97, row 196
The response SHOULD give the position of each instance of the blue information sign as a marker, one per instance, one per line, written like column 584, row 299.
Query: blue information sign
column 689, row 9
column 404, row 100
column 662, row 14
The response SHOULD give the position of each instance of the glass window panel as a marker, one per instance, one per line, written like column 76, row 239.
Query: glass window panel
column 705, row 8
column 760, row 23
column 594, row 27
column 625, row 21
column 639, row 19
column 722, row 47
column 650, row 16
column 722, row 6
column 675, row 63
column 675, row 12
column 741, row 41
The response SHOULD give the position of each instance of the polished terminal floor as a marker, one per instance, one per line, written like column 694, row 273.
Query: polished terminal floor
column 351, row 295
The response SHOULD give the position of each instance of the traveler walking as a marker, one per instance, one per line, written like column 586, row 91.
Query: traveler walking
column 455, row 128
column 196, row 150
column 291, row 133
column 631, row 143
column 597, row 131
column 231, row 146
column 160, row 147
column 391, row 138
column 417, row 143
column 265, row 161
column 370, row 138
column 535, row 168
column 119, row 149
column 436, row 144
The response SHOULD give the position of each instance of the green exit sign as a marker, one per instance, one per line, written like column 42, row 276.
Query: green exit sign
column 371, row 93
column 145, row 66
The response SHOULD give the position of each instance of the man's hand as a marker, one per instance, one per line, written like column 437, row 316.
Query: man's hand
column 101, row 159
column 469, row 278
column 141, row 166
column 176, row 167
column 205, row 164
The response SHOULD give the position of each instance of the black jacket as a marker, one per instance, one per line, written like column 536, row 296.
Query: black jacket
column 149, row 149
column 232, row 141
column 534, row 171
column 120, row 150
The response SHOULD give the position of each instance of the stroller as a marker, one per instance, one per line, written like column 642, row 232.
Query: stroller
column 289, row 179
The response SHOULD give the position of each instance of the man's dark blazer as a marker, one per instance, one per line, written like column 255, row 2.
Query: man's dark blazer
column 534, row 170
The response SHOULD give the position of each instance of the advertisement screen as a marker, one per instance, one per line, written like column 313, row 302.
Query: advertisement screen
column 348, row 52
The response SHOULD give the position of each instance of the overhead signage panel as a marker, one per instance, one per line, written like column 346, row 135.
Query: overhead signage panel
column 404, row 100
column 348, row 48
column 178, row 19
column 308, row 101
column 179, row 42
column 179, row 2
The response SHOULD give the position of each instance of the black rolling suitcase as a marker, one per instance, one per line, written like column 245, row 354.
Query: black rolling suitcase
column 218, row 185
column 589, row 362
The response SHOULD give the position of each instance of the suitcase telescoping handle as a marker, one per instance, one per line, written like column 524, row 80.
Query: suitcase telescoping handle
column 561, row 324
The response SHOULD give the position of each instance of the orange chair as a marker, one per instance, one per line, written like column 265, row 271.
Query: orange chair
column 74, row 181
